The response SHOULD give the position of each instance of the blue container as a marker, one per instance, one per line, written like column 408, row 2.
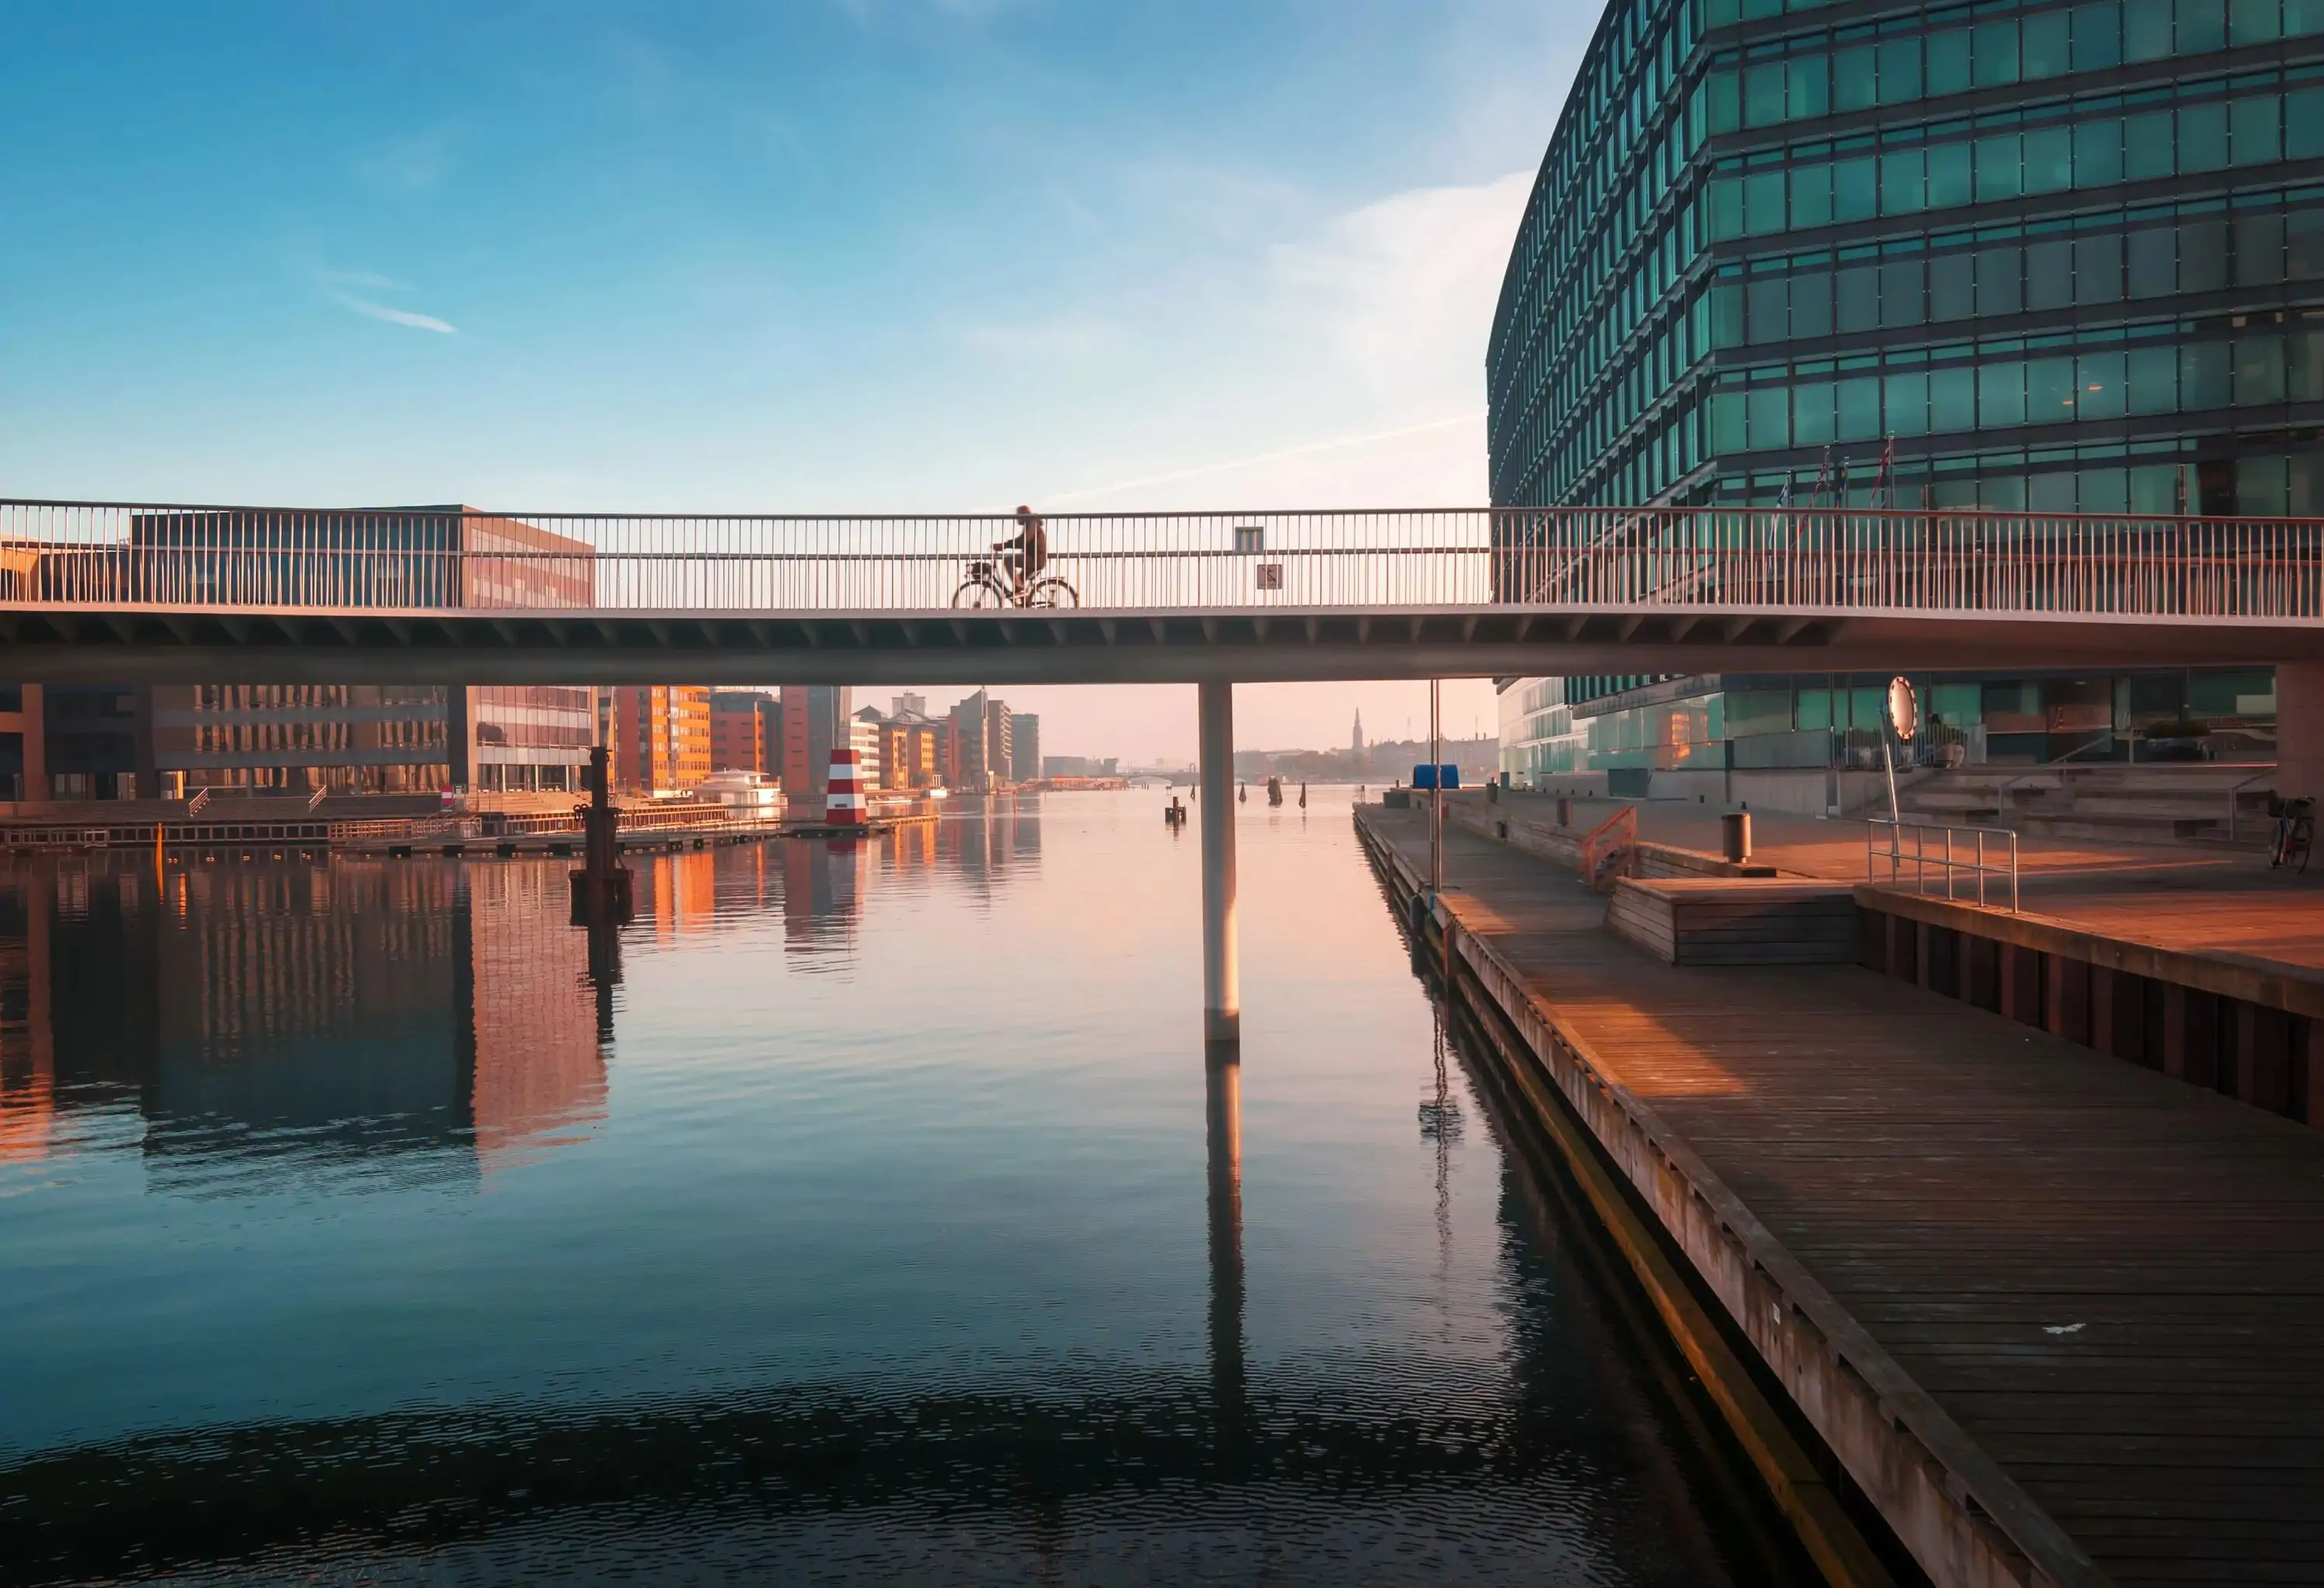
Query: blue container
column 1424, row 776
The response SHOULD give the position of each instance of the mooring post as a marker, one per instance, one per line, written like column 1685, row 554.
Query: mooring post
column 1221, row 996
column 601, row 888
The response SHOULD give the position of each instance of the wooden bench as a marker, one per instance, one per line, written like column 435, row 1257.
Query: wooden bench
column 1737, row 920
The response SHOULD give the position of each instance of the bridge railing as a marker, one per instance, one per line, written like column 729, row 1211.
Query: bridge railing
column 227, row 559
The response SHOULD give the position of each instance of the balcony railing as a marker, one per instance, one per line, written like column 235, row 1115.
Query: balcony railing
column 245, row 559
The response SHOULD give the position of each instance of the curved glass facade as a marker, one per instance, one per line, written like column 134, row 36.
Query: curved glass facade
column 2051, row 256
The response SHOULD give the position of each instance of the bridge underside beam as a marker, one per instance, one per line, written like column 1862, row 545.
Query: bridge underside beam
column 51, row 645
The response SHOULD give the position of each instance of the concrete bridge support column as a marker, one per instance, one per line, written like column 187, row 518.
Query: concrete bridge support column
column 2300, row 730
column 1222, row 994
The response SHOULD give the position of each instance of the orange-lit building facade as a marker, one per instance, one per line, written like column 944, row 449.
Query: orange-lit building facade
column 746, row 733
column 659, row 734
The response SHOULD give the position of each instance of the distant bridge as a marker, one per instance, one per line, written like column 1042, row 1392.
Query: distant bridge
column 114, row 592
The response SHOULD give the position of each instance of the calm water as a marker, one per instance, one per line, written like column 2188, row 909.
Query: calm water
column 858, row 1216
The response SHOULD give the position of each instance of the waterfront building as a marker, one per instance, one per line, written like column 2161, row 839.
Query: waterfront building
column 659, row 737
column 911, row 750
column 982, row 745
column 864, row 736
column 1080, row 766
column 814, row 721
column 746, row 731
column 1024, row 747
column 2044, row 257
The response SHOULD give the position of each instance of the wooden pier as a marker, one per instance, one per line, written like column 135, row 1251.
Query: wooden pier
column 2058, row 1316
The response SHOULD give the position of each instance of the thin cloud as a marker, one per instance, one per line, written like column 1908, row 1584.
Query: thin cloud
column 369, row 279
column 395, row 317
column 1306, row 450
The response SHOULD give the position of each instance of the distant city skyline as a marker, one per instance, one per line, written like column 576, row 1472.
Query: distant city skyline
column 1153, row 724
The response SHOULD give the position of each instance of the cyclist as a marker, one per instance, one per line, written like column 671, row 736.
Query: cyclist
column 1028, row 553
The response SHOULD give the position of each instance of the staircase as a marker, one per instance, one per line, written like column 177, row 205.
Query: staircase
column 2165, row 803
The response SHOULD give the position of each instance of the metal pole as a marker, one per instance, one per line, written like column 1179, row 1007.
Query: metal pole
column 1437, row 796
column 1221, row 996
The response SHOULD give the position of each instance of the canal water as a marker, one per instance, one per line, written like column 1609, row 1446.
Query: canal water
column 859, row 1215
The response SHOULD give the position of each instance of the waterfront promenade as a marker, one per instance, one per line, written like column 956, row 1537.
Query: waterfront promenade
column 2213, row 901
column 2056, row 1313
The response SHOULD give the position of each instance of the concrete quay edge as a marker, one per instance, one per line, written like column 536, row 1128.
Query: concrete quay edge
column 1959, row 1514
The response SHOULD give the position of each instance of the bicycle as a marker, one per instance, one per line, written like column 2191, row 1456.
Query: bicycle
column 987, row 588
column 2295, row 834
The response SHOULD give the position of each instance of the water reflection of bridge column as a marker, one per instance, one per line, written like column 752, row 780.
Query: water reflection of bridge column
column 1223, row 1111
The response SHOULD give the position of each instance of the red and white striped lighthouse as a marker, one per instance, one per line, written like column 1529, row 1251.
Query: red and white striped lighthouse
column 843, row 800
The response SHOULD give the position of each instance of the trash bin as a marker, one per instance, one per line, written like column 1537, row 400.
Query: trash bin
column 1735, row 835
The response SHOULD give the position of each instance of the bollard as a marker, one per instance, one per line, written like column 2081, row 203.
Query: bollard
column 1735, row 835
column 1565, row 811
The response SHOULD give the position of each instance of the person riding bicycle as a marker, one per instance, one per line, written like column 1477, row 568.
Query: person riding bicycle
column 1028, row 553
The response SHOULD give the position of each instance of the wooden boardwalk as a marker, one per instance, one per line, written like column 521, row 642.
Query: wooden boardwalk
column 2189, row 898
column 2109, row 1284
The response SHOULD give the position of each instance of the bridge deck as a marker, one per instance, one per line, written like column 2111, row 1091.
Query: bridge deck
column 2110, row 1282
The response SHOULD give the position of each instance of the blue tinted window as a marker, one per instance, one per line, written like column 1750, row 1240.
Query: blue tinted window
column 1948, row 176
column 2255, row 132
column 1994, row 55
column 1952, row 399
column 2101, row 376
column 2098, row 36
column 2203, row 137
column 1811, row 405
column 2001, row 393
column 1855, row 189
column 1997, row 173
column 1811, row 196
column 2097, row 152
column 1907, row 401
column 2050, row 160
column 1948, row 61
column 2152, row 377
column 2047, row 48
column 1904, row 182
column 1859, row 408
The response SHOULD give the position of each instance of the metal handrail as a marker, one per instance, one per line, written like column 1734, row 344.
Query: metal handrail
column 2268, row 772
column 1735, row 559
column 1921, row 860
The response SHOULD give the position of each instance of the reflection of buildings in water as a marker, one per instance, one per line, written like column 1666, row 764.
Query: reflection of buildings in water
column 821, row 893
column 681, row 893
column 27, row 1057
column 333, row 1013
column 989, row 836
column 911, row 848
column 536, row 1068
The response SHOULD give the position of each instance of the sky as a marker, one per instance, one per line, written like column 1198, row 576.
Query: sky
column 798, row 255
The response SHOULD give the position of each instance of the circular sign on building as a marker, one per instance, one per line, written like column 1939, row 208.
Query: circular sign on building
column 1904, row 710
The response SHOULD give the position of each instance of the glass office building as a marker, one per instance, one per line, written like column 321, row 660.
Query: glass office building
column 2043, row 256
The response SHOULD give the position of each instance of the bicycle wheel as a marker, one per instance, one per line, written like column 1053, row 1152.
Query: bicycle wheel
column 1052, row 591
column 979, row 594
column 2304, row 836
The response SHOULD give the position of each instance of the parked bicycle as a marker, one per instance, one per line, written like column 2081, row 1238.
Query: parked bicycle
column 2295, row 834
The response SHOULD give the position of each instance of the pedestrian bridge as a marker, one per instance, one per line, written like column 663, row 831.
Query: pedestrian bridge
column 101, row 592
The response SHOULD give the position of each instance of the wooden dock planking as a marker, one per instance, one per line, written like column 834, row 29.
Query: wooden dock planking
column 1962, row 1185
